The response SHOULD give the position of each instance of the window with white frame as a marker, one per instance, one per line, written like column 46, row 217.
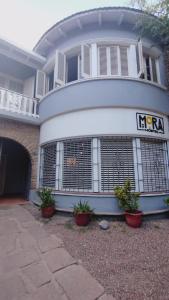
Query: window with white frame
column 113, row 60
column 150, row 68
column 154, row 159
column 48, row 164
column 116, row 162
column 77, row 165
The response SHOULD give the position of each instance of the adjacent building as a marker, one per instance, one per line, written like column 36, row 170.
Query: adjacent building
column 85, row 110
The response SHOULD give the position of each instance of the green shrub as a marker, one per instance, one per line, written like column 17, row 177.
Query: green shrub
column 166, row 201
column 127, row 199
column 46, row 197
column 82, row 207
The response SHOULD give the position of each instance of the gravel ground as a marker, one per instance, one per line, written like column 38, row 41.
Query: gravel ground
column 131, row 264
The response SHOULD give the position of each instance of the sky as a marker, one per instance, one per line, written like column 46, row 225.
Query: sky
column 24, row 21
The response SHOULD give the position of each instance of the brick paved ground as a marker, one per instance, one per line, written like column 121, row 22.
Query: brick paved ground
column 35, row 265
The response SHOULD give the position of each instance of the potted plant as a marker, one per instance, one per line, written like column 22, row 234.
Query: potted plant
column 82, row 213
column 166, row 201
column 128, row 201
column 48, row 203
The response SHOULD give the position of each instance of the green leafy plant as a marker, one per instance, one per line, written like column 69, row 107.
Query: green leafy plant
column 166, row 201
column 46, row 197
column 82, row 207
column 127, row 199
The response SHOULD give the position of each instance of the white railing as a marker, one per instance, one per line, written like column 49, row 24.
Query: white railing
column 18, row 103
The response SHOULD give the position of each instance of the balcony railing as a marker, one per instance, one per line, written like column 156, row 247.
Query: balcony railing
column 18, row 103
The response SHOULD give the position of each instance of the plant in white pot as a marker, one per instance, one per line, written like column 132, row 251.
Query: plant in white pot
column 129, row 202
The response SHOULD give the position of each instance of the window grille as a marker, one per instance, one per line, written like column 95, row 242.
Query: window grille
column 49, row 165
column 154, row 165
column 116, row 162
column 77, row 165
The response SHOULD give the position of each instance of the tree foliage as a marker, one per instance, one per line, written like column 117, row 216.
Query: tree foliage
column 157, row 24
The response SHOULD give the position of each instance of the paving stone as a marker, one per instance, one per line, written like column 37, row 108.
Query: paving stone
column 21, row 214
column 58, row 259
column 49, row 243
column 9, row 227
column 7, row 244
column 37, row 273
column 106, row 297
column 12, row 288
column 78, row 283
column 21, row 259
column 37, row 231
column 27, row 241
column 48, row 292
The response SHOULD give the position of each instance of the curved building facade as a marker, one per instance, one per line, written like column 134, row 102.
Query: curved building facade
column 103, row 111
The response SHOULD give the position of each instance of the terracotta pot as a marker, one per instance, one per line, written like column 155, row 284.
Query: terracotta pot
column 48, row 212
column 82, row 219
column 133, row 219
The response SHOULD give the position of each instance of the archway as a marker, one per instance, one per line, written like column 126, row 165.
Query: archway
column 15, row 169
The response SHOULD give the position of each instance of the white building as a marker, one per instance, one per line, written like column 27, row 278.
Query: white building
column 98, row 94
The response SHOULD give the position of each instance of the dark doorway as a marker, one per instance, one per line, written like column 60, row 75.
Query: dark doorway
column 15, row 169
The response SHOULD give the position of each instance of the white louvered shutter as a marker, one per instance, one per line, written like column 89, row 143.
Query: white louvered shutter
column 86, row 61
column 40, row 84
column 140, row 60
column 154, row 165
column 114, row 60
column 77, row 166
column 103, row 70
column 124, row 61
column 117, row 162
column 60, row 68
column 49, row 165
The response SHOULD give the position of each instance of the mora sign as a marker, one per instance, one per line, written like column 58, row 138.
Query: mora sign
column 150, row 123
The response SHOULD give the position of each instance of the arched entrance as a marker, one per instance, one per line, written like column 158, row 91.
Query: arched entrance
column 15, row 169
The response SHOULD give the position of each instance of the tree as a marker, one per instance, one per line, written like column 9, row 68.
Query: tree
column 155, row 21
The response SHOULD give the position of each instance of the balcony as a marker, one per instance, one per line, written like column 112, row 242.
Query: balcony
column 19, row 104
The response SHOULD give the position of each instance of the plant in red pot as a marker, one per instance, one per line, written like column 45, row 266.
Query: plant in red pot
column 47, row 203
column 166, row 201
column 82, row 213
column 128, row 201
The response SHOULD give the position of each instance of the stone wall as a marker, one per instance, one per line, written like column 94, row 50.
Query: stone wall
column 28, row 136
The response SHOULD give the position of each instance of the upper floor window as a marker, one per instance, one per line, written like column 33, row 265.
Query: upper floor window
column 113, row 60
column 150, row 68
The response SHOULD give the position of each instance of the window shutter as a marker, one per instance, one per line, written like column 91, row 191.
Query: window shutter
column 154, row 69
column 154, row 165
column 86, row 60
column 103, row 60
column 140, row 61
column 60, row 68
column 40, row 84
column 77, row 167
column 117, row 162
column 49, row 165
column 114, row 60
column 124, row 61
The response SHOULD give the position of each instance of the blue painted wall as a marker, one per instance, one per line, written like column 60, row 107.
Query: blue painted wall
column 104, row 204
column 104, row 93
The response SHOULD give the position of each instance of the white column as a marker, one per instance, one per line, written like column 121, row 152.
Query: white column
column 94, row 62
column 95, row 163
column 59, row 164
column 139, row 165
column 132, row 61
column 135, row 166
